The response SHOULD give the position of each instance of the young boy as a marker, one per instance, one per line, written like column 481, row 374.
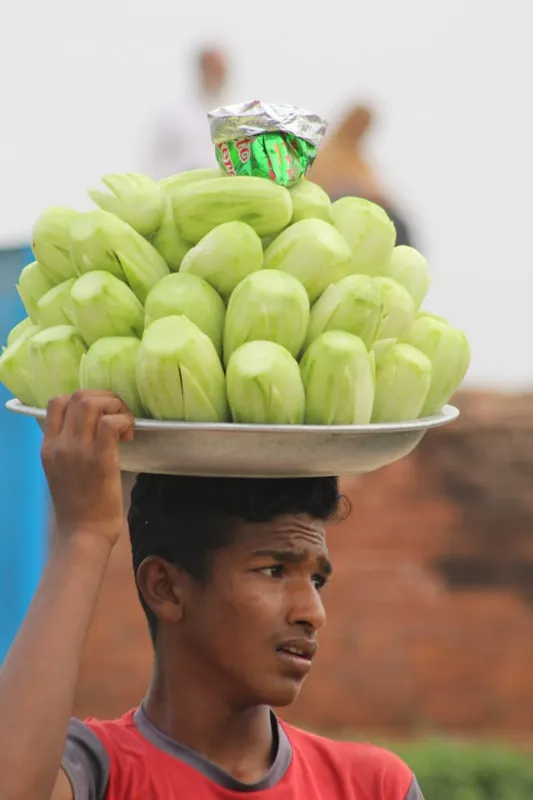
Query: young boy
column 229, row 573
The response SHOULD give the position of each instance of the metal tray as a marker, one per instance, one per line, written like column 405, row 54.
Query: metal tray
column 265, row 451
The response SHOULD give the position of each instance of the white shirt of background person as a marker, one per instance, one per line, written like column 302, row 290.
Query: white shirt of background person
column 181, row 139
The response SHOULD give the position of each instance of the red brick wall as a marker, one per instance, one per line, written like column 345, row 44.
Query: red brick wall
column 401, row 653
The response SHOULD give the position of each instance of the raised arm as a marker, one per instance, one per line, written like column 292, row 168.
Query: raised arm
column 38, row 678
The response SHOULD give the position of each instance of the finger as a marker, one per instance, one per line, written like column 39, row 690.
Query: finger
column 55, row 415
column 127, row 435
column 84, row 412
column 113, row 429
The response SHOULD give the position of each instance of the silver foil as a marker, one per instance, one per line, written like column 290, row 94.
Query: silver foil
column 255, row 117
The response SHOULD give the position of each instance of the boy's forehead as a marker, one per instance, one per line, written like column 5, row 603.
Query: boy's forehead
column 292, row 531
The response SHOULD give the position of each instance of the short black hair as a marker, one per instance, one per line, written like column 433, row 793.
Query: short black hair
column 186, row 519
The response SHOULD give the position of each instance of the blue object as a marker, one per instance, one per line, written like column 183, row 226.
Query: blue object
column 24, row 506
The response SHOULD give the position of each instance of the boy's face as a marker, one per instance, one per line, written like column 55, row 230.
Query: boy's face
column 252, row 627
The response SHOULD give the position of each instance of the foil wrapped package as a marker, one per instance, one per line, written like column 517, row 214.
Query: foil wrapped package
column 267, row 140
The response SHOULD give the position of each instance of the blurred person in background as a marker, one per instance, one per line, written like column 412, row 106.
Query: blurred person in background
column 342, row 167
column 181, row 138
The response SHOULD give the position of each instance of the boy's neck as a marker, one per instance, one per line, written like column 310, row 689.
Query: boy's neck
column 239, row 741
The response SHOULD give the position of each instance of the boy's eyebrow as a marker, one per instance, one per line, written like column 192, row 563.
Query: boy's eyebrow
column 294, row 557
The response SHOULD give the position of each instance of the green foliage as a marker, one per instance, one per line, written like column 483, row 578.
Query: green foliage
column 462, row 771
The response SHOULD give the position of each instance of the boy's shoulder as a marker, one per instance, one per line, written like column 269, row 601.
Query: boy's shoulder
column 364, row 766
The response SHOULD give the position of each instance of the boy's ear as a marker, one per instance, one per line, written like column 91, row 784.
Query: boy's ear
column 161, row 585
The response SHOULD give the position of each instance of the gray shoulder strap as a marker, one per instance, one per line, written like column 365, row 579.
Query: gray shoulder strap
column 414, row 792
column 85, row 762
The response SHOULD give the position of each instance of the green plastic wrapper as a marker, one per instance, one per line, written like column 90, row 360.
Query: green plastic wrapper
column 281, row 157
column 266, row 140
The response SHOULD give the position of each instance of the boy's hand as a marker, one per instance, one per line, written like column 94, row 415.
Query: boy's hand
column 80, row 455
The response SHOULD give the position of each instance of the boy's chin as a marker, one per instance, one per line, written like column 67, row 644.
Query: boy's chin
column 281, row 696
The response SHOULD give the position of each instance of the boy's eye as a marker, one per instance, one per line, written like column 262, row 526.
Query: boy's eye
column 278, row 570
column 319, row 582
column 275, row 571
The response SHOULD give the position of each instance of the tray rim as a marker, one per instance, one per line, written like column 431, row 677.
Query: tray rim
column 446, row 415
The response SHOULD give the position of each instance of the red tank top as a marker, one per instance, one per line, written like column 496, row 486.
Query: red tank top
column 315, row 769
